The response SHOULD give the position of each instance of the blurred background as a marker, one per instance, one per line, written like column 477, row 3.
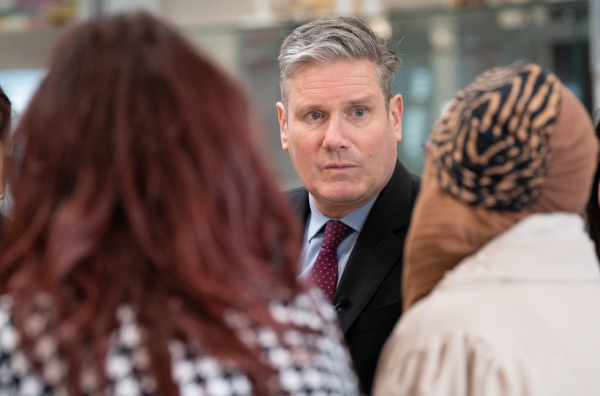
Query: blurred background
column 443, row 44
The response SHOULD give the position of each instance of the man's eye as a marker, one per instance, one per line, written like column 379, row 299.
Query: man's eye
column 315, row 115
column 359, row 112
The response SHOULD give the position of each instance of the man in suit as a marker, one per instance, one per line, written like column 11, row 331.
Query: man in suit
column 341, row 123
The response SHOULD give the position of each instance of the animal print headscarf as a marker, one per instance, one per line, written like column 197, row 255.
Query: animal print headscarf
column 513, row 143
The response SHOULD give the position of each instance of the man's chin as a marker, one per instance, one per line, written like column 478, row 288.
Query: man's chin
column 342, row 191
column 347, row 197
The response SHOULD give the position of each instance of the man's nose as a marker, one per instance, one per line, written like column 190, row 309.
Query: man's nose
column 336, row 134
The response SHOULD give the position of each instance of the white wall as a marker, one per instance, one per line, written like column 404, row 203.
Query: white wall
column 188, row 12
column 30, row 49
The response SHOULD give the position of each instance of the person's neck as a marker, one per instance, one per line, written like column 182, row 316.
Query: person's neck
column 338, row 211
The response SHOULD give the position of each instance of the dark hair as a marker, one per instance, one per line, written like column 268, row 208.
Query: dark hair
column 137, row 182
column 593, row 206
column 5, row 127
column 5, row 115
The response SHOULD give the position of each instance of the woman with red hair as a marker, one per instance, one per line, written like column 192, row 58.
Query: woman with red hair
column 151, row 251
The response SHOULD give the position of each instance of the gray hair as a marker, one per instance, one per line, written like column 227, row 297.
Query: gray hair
column 333, row 39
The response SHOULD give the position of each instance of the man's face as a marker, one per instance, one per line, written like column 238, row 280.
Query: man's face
column 341, row 137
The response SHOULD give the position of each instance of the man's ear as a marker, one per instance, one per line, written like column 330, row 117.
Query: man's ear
column 396, row 110
column 283, row 127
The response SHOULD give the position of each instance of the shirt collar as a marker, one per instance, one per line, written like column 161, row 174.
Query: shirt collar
column 355, row 219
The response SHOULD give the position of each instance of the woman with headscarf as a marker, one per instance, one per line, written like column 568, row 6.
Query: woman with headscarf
column 501, row 282
column 150, row 250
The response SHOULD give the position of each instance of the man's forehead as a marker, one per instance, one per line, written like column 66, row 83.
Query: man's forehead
column 348, row 66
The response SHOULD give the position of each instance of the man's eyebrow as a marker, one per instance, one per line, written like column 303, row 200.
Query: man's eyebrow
column 305, row 108
column 367, row 100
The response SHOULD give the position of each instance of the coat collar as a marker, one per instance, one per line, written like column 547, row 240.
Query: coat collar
column 540, row 248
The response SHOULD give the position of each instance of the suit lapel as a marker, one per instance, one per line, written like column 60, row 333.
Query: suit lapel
column 376, row 250
column 299, row 199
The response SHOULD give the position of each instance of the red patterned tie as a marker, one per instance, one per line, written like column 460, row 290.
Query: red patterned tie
column 325, row 269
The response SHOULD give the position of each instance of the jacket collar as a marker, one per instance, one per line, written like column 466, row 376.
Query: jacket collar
column 540, row 248
column 378, row 247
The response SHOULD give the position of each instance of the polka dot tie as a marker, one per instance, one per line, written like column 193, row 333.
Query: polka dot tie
column 325, row 269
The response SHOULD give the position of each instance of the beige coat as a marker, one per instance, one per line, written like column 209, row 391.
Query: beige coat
column 520, row 317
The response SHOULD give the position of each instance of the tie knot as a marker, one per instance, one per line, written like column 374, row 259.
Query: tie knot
column 335, row 232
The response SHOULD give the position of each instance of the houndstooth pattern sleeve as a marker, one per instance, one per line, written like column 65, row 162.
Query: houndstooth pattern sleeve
column 311, row 362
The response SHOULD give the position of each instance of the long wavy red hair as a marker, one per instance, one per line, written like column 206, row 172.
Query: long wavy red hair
column 136, row 180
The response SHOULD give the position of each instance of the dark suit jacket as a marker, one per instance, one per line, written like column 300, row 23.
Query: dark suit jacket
column 372, row 278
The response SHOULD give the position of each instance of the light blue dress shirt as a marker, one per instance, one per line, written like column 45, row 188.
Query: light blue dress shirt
column 313, row 236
